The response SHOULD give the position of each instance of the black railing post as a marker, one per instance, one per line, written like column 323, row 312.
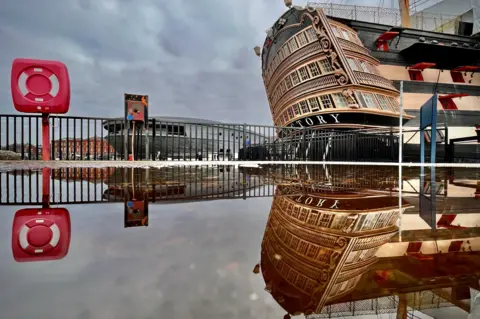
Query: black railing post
column 446, row 156
column 451, row 152
column 60, row 153
column 37, row 134
column 154, row 134
column 89, row 152
column 29, row 139
column 1, row 117
column 68, row 140
column 95, row 141
column 23, row 139
column 15, row 134
column 244, row 157
column 304, row 143
column 52, row 141
column 125, row 138
column 7, row 140
column 81, row 139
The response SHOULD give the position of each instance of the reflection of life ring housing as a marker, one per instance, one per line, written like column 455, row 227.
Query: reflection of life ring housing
column 136, row 213
column 40, row 86
column 40, row 234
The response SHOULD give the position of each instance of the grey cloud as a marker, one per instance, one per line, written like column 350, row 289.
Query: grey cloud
column 193, row 58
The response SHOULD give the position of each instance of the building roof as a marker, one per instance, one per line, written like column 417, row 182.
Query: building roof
column 173, row 119
column 169, row 120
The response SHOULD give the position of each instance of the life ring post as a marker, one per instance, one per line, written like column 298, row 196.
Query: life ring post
column 46, row 177
column 45, row 137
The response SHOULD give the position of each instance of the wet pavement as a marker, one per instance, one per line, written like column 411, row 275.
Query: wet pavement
column 211, row 241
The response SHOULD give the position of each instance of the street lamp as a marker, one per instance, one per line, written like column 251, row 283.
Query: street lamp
column 257, row 50
column 288, row 3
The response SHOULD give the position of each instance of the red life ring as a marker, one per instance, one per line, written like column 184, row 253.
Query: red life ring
column 38, row 84
column 38, row 236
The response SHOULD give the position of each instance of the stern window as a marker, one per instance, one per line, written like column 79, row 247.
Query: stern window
column 326, row 101
column 302, row 39
column 340, row 100
column 326, row 66
column 312, row 35
column 370, row 101
column 314, row 106
column 304, row 107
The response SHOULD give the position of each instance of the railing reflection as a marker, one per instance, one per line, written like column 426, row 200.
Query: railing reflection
column 101, row 185
column 206, row 182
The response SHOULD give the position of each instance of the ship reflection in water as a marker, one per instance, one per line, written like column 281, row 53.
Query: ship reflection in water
column 338, row 240
column 334, row 252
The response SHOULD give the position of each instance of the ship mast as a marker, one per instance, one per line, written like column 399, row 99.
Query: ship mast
column 404, row 6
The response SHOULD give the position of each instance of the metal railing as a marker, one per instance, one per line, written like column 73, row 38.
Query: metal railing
column 93, row 138
column 425, row 21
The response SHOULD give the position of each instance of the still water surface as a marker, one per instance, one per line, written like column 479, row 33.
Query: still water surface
column 230, row 242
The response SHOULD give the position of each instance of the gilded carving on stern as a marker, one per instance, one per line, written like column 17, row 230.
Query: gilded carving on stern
column 349, row 95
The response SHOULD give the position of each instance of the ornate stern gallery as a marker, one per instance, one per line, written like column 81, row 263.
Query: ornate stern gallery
column 314, row 77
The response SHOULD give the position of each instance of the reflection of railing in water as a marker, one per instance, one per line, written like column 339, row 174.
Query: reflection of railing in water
column 73, row 185
column 96, row 185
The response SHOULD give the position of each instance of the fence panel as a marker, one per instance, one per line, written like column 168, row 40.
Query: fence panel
column 92, row 138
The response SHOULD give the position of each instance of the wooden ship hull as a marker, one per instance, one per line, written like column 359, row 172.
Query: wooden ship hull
column 314, row 78
column 324, row 68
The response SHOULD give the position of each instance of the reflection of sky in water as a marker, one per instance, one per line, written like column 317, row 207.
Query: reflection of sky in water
column 192, row 261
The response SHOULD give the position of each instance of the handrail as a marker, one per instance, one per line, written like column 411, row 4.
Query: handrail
column 425, row 21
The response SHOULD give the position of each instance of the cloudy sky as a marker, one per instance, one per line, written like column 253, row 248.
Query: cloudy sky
column 192, row 57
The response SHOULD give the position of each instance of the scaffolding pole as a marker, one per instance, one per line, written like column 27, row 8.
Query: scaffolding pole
column 400, row 160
